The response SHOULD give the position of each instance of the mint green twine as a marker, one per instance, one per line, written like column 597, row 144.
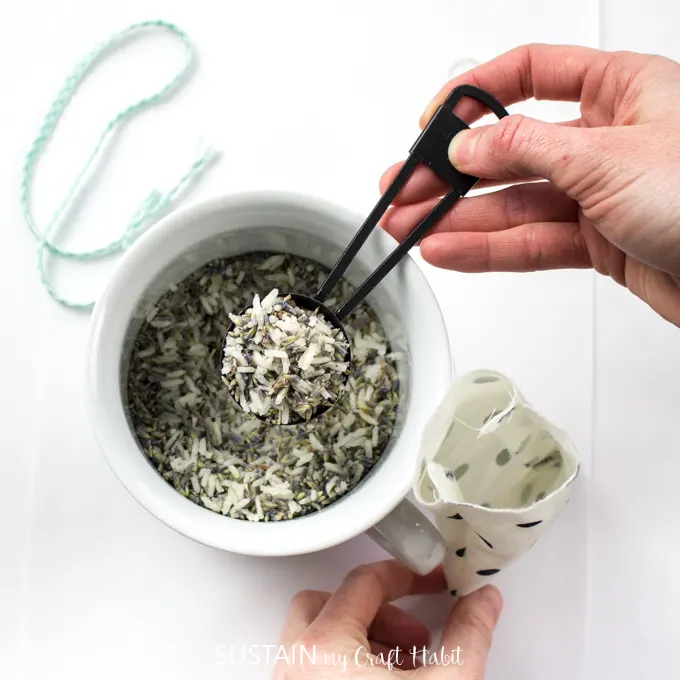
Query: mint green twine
column 152, row 207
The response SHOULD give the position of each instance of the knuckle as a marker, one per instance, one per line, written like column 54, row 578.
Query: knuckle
column 308, row 639
column 515, row 207
column 510, row 135
column 371, row 576
column 486, row 256
column 305, row 597
column 364, row 571
column 359, row 571
column 321, row 639
column 581, row 252
column 618, row 60
column 368, row 579
column 623, row 62
column 534, row 255
column 312, row 639
column 616, row 68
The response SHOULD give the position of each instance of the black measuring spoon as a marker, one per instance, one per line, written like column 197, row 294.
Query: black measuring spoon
column 430, row 149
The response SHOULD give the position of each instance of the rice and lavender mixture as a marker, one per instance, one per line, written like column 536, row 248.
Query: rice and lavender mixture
column 282, row 362
column 212, row 452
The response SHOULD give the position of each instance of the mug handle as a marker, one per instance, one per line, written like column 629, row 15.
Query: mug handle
column 410, row 537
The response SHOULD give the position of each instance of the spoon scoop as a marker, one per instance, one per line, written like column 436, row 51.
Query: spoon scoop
column 285, row 359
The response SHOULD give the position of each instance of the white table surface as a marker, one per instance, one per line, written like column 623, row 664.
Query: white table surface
column 318, row 98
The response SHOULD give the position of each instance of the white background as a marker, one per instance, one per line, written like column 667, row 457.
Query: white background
column 319, row 98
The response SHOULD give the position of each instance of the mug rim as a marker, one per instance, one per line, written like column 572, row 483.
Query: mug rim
column 105, row 404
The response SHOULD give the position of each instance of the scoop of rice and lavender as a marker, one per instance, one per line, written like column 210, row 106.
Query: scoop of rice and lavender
column 212, row 452
column 281, row 359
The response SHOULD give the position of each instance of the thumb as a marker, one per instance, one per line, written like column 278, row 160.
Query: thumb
column 520, row 147
column 468, row 632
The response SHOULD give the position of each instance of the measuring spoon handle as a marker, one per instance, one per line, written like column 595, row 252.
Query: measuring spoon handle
column 431, row 149
column 398, row 253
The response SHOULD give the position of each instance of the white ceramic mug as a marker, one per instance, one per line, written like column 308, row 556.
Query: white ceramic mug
column 304, row 226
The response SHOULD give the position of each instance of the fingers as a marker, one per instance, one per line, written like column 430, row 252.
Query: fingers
column 552, row 72
column 353, row 607
column 470, row 627
column 494, row 211
column 394, row 628
column 526, row 248
column 304, row 608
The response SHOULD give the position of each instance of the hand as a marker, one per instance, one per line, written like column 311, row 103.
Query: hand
column 612, row 199
column 356, row 632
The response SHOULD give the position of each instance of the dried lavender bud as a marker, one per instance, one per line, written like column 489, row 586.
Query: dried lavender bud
column 281, row 360
column 205, row 446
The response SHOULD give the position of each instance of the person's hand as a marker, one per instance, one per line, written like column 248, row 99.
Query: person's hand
column 356, row 632
column 612, row 199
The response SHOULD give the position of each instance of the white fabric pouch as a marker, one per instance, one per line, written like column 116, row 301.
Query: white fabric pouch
column 495, row 474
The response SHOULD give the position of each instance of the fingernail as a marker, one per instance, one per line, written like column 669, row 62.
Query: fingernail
column 427, row 114
column 462, row 148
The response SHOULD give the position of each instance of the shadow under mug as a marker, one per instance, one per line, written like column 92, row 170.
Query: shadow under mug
column 406, row 306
